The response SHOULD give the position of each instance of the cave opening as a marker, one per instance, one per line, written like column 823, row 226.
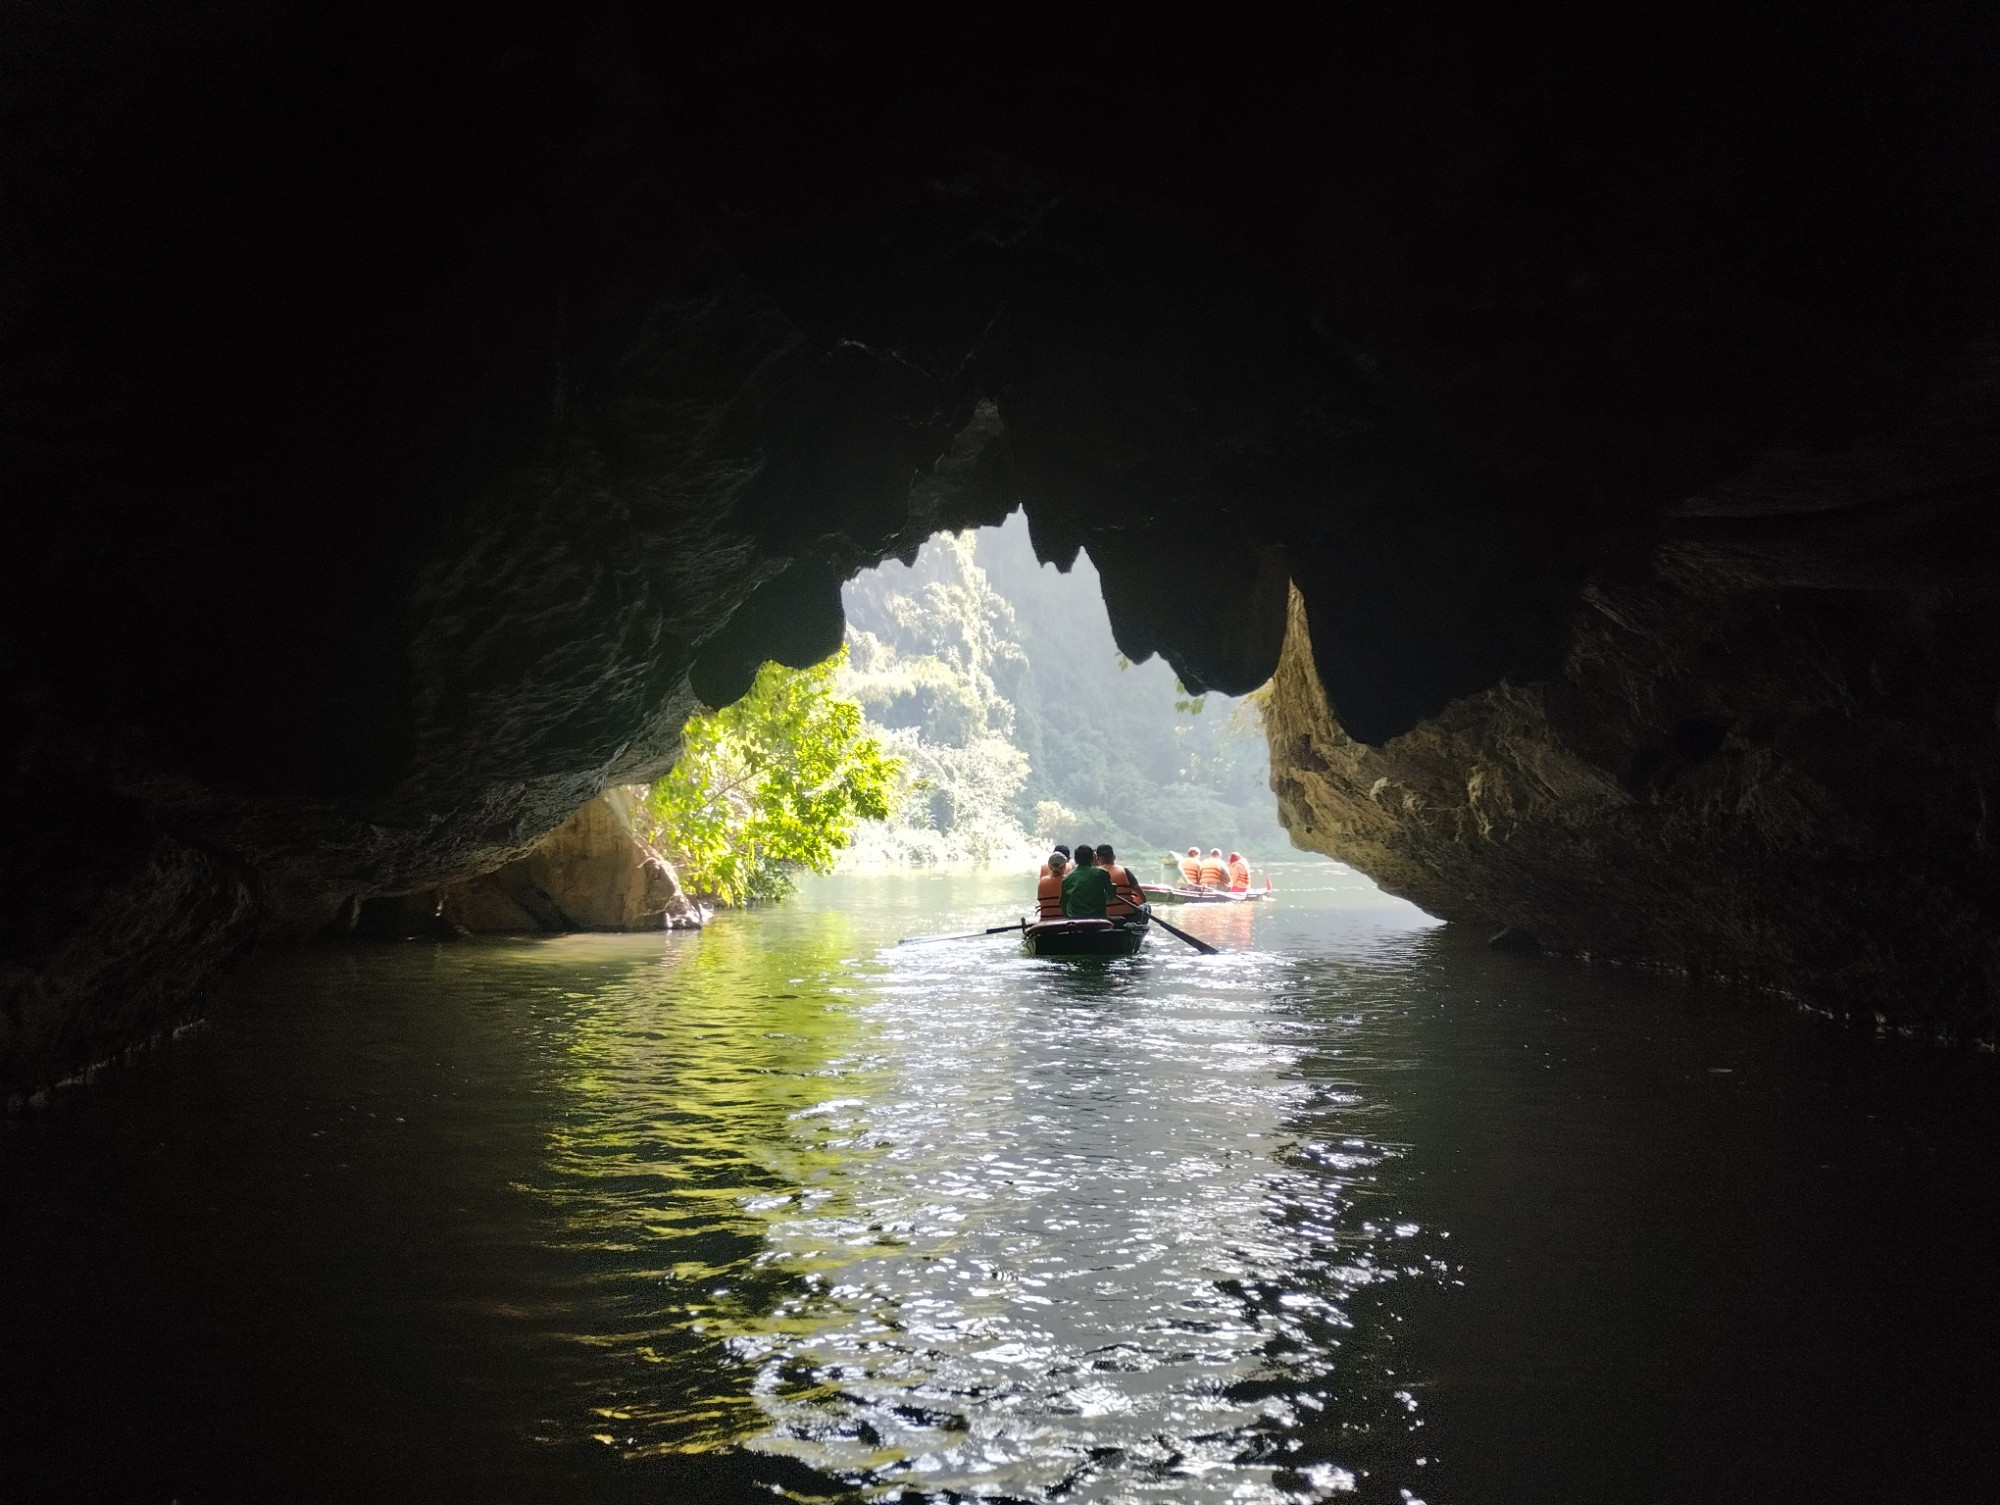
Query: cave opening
column 1001, row 678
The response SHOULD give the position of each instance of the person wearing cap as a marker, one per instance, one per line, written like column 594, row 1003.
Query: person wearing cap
column 1239, row 873
column 1214, row 871
column 1048, row 888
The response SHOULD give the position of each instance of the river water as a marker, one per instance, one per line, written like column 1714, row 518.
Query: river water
column 1354, row 1210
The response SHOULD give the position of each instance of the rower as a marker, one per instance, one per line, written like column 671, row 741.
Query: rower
column 1239, row 873
column 1214, row 871
column 1086, row 890
column 1128, row 895
column 1048, row 888
column 1191, row 866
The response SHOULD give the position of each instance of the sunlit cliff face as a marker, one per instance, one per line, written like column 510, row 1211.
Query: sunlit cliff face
column 408, row 427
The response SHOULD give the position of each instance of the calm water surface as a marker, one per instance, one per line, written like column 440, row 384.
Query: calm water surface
column 1354, row 1210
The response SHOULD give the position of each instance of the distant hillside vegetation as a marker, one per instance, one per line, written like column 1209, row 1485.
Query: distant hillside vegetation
column 996, row 680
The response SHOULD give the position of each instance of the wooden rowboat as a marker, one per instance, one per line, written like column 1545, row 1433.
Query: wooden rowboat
column 1084, row 937
column 1158, row 895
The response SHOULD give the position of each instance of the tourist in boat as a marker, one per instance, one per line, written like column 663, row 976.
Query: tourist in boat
column 1214, row 871
column 1048, row 888
column 1086, row 888
column 1128, row 895
column 1239, row 873
column 1191, row 866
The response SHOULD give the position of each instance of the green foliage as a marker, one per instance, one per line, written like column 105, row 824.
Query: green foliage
column 775, row 782
column 934, row 662
column 978, row 642
column 1052, row 822
column 1124, row 742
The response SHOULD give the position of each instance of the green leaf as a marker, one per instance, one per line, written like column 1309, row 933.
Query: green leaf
column 774, row 783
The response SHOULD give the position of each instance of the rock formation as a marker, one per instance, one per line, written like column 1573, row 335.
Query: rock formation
column 1771, row 753
column 591, row 873
column 408, row 420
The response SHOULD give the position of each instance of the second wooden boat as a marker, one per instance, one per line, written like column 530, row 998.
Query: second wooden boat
column 1162, row 895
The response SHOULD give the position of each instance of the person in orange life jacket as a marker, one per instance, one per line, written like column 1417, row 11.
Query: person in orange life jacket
column 1087, row 890
column 1239, row 873
column 1058, row 850
column 1129, row 895
column 1191, row 866
column 1048, row 887
column 1214, row 871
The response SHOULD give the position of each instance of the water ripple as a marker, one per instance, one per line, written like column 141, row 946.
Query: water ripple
column 981, row 1226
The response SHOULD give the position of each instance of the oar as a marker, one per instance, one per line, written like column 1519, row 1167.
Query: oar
column 919, row 940
column 1202, row 946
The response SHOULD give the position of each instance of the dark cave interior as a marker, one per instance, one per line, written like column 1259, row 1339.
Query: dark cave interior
column 408, row 421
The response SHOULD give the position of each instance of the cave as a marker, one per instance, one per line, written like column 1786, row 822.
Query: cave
column 1590, row 426
column 409, row 426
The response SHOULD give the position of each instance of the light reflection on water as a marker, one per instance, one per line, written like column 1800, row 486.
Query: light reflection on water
column 980, row 1224
column 1356, row 1209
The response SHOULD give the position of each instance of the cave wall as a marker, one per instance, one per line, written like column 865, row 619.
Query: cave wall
column 1772, row 754
column 410, row 419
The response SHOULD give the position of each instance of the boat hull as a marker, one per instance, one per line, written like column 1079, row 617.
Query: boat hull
column 1083, row 938
column 1156, row 895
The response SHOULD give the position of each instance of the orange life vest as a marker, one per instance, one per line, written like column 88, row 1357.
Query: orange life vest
column 1129, row 895
column 1239, row 874
column 1213, row 873
column 1190, row 870
column 1048, row 894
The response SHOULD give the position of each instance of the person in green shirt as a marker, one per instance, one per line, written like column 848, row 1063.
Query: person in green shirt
column 1086, row 888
